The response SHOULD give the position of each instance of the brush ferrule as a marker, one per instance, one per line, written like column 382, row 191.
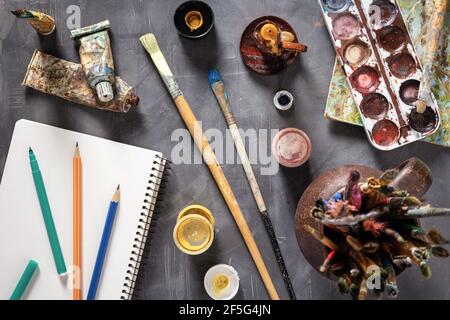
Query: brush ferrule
column 172, row 86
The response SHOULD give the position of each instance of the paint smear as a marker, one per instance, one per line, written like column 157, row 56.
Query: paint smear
column 336, row 6
column 366, row 79
column 402, row 65
column 345, row 26
column 374, row 106
column 385, row 133
column 393, row 38
column 356, row 53
column 423, row 122
column 409, row 91
column 382, row 13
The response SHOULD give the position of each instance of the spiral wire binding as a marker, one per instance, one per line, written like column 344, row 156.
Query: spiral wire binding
column 146, row 223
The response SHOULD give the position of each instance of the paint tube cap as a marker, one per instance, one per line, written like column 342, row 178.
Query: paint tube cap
column 104, row 91
column 283, row 100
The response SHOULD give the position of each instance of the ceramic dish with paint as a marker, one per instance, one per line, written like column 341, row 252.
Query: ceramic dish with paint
column 221, row 282
column 382, row 68
column 262, row 61
column 291, row 147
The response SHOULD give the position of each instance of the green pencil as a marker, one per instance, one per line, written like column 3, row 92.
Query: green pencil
column 47, row 214
column 24, row 280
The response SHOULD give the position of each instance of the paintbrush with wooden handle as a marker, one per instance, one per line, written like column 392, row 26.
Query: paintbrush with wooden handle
column 149, row 42
column 218, row 88
column 429, row 56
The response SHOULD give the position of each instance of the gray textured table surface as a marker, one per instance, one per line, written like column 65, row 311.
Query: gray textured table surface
column 169, row 274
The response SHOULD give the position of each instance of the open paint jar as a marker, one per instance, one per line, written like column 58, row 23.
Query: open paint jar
column 221, row 282
column 194, row 19
column 194, row 232
column 291, row 147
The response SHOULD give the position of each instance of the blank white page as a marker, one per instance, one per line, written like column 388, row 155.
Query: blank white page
column 23, row 235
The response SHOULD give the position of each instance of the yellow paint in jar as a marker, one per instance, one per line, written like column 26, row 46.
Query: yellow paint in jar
column 194, row 20
column 194, row 232
column 220, row 283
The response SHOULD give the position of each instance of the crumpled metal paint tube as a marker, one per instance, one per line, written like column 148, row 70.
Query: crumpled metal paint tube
column 67, row 80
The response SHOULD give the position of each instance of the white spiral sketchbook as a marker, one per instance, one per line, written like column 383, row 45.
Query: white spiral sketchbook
column 106, row 164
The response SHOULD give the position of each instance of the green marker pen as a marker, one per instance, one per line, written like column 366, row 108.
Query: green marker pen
column 24, row 280
column 47, row 214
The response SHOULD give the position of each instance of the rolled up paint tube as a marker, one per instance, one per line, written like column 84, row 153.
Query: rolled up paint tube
column 66, row 80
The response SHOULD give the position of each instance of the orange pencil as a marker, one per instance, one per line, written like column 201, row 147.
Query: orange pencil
column 77, row 203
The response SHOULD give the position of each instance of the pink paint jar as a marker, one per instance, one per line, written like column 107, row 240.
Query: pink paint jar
column 291, row 147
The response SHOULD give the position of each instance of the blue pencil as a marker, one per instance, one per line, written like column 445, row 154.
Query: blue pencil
column 103, row 245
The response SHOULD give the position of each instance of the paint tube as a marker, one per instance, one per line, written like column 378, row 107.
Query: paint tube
column 66, row 80
column 96, row 58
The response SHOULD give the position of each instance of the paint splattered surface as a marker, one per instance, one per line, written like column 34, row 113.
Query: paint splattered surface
column 340, row 105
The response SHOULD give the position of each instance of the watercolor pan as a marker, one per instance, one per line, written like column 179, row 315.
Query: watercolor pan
column 382, row 68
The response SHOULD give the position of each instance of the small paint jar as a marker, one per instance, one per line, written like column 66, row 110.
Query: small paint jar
column 283, row 100
column 194, row 231
column 193, row 19
column 221, row 282
column 291, row 147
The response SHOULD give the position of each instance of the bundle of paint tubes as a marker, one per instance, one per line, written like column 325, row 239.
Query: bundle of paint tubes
column 371, row 232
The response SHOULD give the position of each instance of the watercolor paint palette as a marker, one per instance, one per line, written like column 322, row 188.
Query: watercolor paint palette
column 382, row 69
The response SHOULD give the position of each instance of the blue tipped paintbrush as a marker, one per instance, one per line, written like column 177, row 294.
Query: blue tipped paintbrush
column 218, row 87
